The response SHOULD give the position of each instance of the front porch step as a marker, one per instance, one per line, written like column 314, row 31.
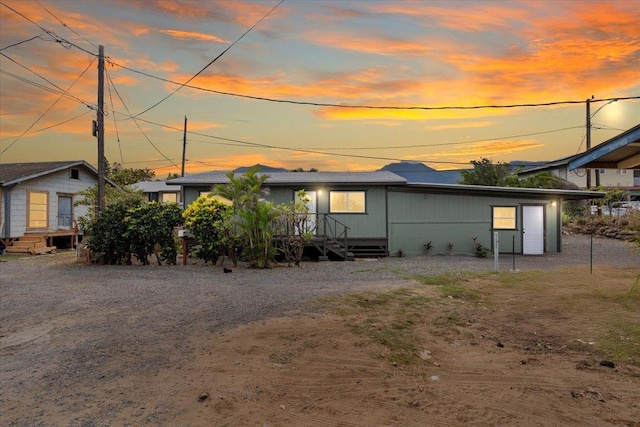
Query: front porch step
column 30, row 245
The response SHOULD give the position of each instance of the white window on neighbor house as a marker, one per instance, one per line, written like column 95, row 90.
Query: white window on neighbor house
column 347, row 202
column 169, row 197
column 37, row 209
column 504, row 217
column 602, row 171
column 621, row 171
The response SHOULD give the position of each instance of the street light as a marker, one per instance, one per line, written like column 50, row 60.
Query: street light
column 589, row 117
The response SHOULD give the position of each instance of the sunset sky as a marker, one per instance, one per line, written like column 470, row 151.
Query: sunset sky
column 401, row 54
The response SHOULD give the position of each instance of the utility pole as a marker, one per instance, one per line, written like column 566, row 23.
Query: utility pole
column 588, row 171
column 184, row 145
column 100, row 130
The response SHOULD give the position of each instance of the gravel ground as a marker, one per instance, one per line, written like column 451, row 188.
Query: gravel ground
column 42, row 286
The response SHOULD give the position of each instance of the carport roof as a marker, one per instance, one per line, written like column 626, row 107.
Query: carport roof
column 619, row 152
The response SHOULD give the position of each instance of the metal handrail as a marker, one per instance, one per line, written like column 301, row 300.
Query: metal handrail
column 329, row 227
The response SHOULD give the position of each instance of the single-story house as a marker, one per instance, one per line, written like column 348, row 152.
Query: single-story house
column 381, row 213
column 37, row 203
column 159, row 191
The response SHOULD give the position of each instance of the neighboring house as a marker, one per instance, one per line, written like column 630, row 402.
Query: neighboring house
column 380, row 213
column 159, row 191
column 616, row 161
column 37, row 203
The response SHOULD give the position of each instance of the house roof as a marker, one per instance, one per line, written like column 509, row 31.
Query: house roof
column 15, row 173
column 155, row 187
column 536, row 193
column 554, row 164
column 620, row 152
column 299, row 178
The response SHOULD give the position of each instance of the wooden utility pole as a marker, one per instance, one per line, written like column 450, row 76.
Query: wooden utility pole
column 588, row 171
column 100, row 130
column 184, row 145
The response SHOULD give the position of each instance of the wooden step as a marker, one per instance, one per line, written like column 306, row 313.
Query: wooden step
column 28, row 238
column 30, row 250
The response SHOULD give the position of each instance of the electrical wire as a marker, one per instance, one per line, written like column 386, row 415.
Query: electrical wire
column 62, row 91
column 115, row 123
column 372, row 107
column 66, row 26
column 115, row 89
column 19, row 43
column 214, row 60
column 48, row 109
column 53, row 126
column 63, row 42
column 299, row 150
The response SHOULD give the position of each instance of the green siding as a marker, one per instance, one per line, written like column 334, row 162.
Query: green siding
column 416, row 218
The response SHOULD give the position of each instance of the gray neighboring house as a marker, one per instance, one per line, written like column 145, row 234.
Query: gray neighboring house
column 159, row 191
column 380, row 213
column 37, row 203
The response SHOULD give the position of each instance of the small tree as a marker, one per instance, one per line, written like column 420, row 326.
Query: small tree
column 293, row 231
column 127, row 176
column 484, row 172
column 253, row 216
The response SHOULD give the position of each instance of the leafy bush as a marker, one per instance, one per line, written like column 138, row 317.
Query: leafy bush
column 130, row 226
column 209, row 221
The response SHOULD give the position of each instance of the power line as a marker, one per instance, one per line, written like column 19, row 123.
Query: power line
column 62, row 91
column 19, row 43
column 115, row 123
column 214, row 60
column 372, row 107
column 300, row 150
column 455, row 143
column 53, row 126
column 63, row 42
column 48, row 109
column 115, row 89
column 66, row 26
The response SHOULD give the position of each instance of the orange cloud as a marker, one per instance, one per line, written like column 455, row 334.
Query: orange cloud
column 192, row 35
column 475, row 150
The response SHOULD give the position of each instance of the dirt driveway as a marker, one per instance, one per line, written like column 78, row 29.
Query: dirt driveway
column 86, row 345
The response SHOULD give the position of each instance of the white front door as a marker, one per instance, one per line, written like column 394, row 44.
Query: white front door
column 312, row 204
column 533, row 230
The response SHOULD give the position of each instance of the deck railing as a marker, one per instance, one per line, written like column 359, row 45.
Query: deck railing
column 328, row 228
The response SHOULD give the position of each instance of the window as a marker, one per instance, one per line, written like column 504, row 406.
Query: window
column 602, row 171
column 74, row 174
column 169, row 197
column 37, row 209
column 347, row 202
column 504, row 217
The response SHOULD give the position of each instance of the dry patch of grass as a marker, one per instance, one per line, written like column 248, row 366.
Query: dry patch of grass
column 569, row 310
